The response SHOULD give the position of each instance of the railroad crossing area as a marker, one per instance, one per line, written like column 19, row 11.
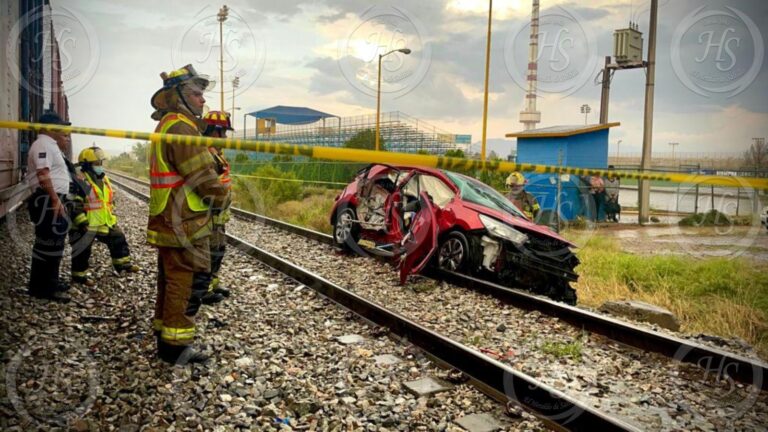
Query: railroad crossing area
column 338, row 345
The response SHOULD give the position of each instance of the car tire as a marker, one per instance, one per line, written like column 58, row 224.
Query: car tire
column 345, row 232
column 453, row 252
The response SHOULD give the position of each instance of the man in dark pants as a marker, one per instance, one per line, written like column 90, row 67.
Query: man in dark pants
column 49, row 178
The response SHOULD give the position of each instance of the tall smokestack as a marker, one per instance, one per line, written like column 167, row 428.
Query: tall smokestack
column 530, row 117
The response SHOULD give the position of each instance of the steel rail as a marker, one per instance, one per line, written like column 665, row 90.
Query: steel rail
column 501, row 381
column 716, row 362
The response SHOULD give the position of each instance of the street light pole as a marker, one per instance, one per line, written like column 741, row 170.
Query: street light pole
column 618, row 143
column 487, row 75
column 586, row 109
column 235, row 84
column 405, row 51
column 221, row 17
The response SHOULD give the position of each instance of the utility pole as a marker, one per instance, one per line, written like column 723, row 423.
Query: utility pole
column 487, row 75
column 618, row 143
column 644, row 191
column 606, row 91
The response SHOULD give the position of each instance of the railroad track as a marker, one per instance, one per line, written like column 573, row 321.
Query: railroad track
column 716, row 362
column 498, row 380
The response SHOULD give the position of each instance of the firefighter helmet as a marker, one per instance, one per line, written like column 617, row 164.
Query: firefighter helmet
column 218, row 119
column 515, row 179
column 163, row 98
column 91, row 155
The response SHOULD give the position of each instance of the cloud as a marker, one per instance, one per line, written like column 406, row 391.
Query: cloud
column 302, row 67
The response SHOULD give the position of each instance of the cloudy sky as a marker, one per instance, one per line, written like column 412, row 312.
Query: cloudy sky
column 711, row 74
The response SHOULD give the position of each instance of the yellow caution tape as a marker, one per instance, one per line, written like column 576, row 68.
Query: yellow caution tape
column 289, row 179
column 392, row 158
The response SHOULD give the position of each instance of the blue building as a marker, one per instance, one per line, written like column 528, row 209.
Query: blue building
column 572, row 146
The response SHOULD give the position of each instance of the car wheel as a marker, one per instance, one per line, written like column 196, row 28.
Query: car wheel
column 453, row 253
column 346, row 232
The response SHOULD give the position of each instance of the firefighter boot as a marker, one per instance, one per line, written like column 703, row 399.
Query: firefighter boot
column 223, row 291
column 181, row 355
column 217, row 288
column 211, row 297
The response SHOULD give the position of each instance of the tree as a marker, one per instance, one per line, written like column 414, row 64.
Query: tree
column 365, row 140
column 458, row 153
column 757, row 155
column 241, row 157
column 140, row 151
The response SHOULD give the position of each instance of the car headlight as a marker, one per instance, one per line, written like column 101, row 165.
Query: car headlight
column 498, row 228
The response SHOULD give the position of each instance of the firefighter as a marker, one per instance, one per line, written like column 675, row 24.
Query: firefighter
column 521, row 198
column 184, row 188
column 217, row 125
column 98, row 221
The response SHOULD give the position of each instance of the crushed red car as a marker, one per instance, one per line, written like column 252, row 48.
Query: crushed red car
column 422, row 216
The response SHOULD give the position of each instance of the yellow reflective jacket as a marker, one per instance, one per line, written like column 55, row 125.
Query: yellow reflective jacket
column 183, row 183
column 99, row 205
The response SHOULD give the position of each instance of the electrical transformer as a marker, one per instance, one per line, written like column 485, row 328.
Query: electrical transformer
column 628, row 45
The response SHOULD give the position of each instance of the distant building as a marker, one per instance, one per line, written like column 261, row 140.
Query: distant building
column 572, row 146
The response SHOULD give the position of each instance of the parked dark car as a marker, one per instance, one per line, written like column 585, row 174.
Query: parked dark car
column 421, row 216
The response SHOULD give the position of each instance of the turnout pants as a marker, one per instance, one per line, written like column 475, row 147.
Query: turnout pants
column 82, row 243
column 48, row 249
column 218, row 249
column 183, row 277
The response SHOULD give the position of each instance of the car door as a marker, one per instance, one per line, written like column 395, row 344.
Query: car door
column 421, row 240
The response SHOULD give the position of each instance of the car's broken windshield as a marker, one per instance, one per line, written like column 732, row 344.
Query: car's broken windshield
column 482, row 194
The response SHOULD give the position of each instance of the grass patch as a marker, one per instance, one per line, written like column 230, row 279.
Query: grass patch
column 714, row 296
column 563, row 349
column 715, row 218
column 312, row 211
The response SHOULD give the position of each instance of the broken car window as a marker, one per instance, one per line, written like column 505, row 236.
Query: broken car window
column 441, row 194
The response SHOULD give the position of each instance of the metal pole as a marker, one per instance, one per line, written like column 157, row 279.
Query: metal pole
column 696, row 203
column 559, row 186
column 606, row 92
column 644, row 191
column 378, row 104
column 221, row 61
column 487, row 75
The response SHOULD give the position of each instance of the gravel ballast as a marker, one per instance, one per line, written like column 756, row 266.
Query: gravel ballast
column 277, row 361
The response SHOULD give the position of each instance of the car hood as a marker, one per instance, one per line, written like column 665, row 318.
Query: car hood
column 517, row 222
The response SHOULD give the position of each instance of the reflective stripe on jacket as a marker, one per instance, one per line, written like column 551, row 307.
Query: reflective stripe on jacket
column 177, row 220
column 99, row 205
column 162, row 179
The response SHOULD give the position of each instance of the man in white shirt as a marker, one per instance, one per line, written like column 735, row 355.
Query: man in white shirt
column 48, row 177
